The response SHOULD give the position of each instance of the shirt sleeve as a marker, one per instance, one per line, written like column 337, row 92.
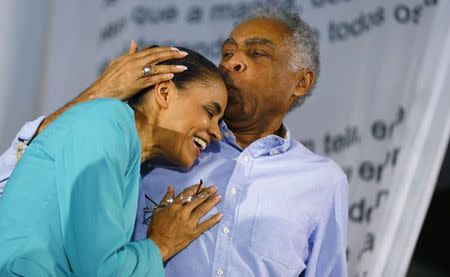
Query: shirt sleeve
column 92, row 194
column 328, row 255
column 8, row 159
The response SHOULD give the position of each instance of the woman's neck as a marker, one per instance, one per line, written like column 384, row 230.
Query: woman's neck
column 146, row 128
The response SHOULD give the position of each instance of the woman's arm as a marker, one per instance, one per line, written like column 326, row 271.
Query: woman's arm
column 97, row 206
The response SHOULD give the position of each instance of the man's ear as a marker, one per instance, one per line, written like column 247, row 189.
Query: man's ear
column 306, row 78
column 162, row 93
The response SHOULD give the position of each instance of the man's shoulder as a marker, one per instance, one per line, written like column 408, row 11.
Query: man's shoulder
column 321, row 165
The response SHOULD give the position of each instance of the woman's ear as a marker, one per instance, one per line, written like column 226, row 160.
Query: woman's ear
column 162, row 93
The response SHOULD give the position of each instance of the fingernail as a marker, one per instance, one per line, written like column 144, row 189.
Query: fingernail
column 169, row 76
column 184, row 53
column 221, row 215
column 174, row 48
column 218, row 196
column 182, row 67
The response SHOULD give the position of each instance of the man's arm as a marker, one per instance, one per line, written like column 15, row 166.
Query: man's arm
column 328, row 255
column 9, row 158
column 123, row 78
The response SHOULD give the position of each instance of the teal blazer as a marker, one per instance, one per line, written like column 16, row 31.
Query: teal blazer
column 70, row 205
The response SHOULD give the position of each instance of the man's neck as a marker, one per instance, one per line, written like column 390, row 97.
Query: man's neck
column 248, row 134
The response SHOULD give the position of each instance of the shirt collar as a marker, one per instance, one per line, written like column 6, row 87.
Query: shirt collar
column 266, row 146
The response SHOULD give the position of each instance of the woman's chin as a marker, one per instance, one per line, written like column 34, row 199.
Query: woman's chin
column 187, row 162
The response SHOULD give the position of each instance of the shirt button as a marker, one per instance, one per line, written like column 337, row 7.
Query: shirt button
column 246, row 159
column 219, row 272
column 233, row 190
column 226, row 230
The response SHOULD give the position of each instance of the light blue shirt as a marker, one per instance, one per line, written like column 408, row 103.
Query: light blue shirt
column 285, row 210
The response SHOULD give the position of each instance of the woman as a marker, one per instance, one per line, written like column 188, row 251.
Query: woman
column 70, row 205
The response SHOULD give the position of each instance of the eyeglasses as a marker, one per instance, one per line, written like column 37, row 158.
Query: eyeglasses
column 152, row 206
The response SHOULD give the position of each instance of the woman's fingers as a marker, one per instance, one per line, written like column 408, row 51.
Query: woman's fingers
column 169, row 194
column 207, row 224
column 206, row 205
column 187, row 193
column 200, row 197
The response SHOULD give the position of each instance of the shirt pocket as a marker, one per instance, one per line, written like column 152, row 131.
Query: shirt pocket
column 279, row 238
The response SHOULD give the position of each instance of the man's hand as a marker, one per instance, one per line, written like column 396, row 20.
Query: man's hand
column 174, row 227
column 123, row 78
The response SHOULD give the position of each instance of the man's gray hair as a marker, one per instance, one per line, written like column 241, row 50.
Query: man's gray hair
column 305, row 50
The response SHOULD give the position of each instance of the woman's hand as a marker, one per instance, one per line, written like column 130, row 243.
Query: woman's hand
column 176, row 225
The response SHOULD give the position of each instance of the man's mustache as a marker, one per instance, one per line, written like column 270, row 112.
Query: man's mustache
column 229, row 83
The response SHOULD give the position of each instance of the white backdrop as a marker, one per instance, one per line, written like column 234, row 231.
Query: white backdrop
column 380, row 108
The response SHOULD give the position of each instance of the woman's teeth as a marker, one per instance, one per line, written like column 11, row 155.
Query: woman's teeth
column 200, row 143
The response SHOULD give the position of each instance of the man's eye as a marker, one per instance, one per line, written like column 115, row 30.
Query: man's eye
column 258, row 53
column 227, row 54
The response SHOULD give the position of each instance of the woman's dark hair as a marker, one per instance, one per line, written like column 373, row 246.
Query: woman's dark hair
column 199, row 69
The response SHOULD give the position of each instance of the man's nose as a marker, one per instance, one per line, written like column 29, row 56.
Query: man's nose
column 234, row 64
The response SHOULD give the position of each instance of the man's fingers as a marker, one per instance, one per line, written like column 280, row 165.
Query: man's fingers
column 154, row 50
column 161, row 69
column 143, row 83
column 206, row 205
column 133, row 47
column 158, row 57
column 210, row 222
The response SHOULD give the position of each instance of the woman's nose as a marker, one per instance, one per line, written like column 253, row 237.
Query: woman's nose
column 214, row 131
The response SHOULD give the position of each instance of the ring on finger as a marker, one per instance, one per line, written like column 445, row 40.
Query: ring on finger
column 148, row 70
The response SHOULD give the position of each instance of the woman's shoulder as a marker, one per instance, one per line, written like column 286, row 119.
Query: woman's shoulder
column 105, row 107
column 101, row 111
column 104, row 117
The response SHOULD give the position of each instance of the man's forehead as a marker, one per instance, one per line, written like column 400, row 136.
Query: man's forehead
column 252, row 41
column 259, row 30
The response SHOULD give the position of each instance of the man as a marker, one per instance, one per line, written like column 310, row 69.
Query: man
column 285, row 208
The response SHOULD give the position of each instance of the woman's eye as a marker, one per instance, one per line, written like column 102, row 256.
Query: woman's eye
column 210, row 113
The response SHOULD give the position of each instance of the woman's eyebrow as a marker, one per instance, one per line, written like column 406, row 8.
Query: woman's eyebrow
column 217, row 108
